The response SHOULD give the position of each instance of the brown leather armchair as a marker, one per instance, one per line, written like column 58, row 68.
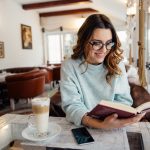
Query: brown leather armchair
column 48, row 74
column 140, row 95
column 25, row 85
column 20, row 69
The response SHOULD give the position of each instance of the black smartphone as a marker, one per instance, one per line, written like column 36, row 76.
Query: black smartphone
column 82, row 135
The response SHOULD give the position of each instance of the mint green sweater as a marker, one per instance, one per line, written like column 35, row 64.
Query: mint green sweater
column 82, row 90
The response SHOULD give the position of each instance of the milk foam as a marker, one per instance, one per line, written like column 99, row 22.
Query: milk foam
column 42, row 122
column 42, row 101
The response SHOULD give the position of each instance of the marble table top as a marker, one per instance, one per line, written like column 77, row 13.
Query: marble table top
column 12, row 125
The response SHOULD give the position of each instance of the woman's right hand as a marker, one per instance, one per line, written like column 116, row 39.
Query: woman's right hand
column 112, row 121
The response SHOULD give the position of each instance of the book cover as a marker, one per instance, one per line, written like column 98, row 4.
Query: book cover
column 107, row 108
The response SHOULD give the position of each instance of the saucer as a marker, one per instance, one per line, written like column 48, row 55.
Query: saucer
column 29, row 133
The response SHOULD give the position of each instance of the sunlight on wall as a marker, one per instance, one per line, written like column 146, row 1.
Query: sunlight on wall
column 148, row 46
column 1, row 21
column 124, row 44
column 122, row 36
column 79, row 22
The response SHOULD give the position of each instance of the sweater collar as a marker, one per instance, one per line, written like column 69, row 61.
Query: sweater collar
column 91, row 66
column 95, row 67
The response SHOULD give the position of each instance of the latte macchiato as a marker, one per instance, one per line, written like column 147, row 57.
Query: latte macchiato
column 40, row 108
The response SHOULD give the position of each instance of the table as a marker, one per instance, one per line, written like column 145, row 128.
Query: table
column 11, row 126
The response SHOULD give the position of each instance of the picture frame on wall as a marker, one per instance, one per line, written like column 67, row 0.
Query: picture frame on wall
column 2, row 49
column 26, row 35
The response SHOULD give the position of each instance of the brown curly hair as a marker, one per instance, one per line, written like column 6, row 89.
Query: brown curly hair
column 114, row 56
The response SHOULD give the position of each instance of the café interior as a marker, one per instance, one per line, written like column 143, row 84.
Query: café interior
column 36, row 36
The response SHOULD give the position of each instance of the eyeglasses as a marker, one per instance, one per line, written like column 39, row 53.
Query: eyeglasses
column 97, row 45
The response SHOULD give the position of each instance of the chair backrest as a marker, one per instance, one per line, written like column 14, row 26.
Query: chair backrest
column 49, row 74
column 26, row 85
column 22, row 76
column 20, row 69
column 140, row 95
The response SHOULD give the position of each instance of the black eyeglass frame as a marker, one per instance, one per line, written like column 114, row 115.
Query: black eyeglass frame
column 92, row 43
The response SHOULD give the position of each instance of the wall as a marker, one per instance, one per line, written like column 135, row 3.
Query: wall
column 11, row 18
column 70, row 22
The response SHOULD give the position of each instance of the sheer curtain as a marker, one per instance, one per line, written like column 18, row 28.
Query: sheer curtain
column 147, row 39
column 147, row 30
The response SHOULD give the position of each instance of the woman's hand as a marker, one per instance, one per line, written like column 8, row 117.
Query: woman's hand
column 110, row 122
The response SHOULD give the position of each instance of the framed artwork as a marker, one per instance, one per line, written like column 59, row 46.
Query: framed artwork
column 1, row 49
column 26, row 35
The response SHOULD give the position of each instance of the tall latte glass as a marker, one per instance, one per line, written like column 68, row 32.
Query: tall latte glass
column 40, row 108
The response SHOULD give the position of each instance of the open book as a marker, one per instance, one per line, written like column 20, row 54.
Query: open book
column 106, row 108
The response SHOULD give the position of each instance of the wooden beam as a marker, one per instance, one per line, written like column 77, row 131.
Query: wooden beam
column 68, row 12
column 52, row 4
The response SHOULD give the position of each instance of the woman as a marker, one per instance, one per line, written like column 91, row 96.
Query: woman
column 95, row 72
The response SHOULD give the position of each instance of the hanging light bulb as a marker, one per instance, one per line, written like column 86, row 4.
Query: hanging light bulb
column 131, row 10
column 125, row 1
column 131, row 7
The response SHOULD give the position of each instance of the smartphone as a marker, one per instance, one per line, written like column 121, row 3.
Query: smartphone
column 82, row 135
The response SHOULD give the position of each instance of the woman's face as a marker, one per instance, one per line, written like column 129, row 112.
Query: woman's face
column 97, row 49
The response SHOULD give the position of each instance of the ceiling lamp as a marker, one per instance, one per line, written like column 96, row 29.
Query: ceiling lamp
column 131, row 10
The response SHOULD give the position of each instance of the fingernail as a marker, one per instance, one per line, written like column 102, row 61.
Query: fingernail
column 115, row 115
column 144, row 114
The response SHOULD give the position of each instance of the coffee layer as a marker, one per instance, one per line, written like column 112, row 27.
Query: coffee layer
column 40, row 109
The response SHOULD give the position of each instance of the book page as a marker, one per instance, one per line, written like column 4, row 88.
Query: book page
column 118, row 106
column 143, row 107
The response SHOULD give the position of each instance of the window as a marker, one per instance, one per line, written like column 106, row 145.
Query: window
column 123, row 38
column 59, row 46
column 124, row 45
column 147, row 45
column 54, row 49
